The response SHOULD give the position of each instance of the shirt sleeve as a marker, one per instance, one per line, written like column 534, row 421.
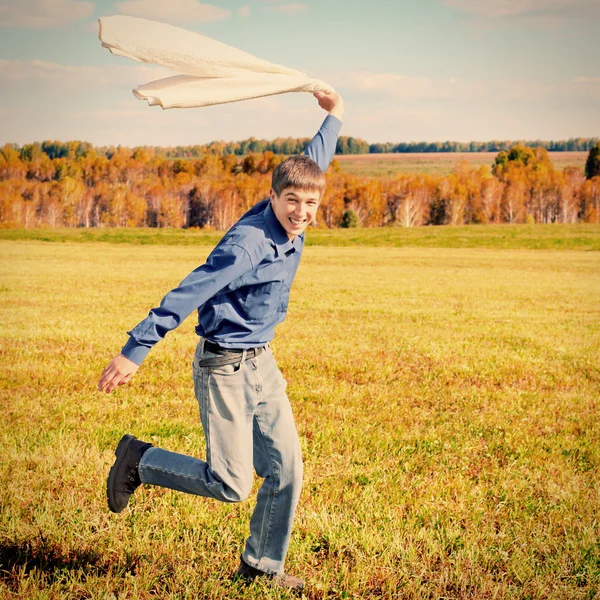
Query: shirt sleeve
column 322, row 147
column 227, row 262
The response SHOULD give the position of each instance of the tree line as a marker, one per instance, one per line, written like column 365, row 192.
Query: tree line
column 288, row 146
column 140, row 188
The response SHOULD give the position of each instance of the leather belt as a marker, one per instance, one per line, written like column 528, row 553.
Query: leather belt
column 226, row 355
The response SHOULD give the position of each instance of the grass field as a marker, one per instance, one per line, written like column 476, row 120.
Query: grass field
column 580, row 236
column 447, row 400
column 436, row 163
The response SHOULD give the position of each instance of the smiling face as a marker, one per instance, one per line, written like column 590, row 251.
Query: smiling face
column 295, row 208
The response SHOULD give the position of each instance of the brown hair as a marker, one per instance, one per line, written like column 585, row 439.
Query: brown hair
column 298, row 172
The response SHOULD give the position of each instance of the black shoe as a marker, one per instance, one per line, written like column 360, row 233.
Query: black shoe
column 248, row 573
column 123, row 478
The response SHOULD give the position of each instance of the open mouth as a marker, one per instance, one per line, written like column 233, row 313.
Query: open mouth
column 296, row 223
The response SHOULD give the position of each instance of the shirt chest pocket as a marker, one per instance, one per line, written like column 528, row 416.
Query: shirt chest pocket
column 264, row 300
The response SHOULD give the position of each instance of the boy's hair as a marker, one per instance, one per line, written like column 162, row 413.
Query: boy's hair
column 298, row 172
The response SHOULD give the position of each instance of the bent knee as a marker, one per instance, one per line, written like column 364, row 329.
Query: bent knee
column 238, row 492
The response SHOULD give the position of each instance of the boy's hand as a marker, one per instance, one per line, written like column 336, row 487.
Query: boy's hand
column 119, row 371
column 331, row 102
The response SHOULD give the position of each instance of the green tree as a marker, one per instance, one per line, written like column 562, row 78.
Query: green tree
column 592, row 164
column 349, row 219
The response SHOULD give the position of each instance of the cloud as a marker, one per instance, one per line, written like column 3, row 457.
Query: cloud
column 121, row 119
column 403, row 87
column 546, row 14
column 243, row 11
column 287, row 9
column 587, row 88
column 37, row 74
column 91, row 27
column 130, row 123
column 175, row 11
column 383, row 86
column 399, row 87
column 388, row 93
column 41, row 14
column 109, row 114
column 414, row 116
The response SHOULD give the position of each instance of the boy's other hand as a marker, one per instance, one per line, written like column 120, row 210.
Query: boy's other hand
column 119, row 371
column 331, row 102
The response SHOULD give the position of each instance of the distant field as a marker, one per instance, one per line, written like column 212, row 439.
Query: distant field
column 579, row 236
column 384, row 165
column 446, row 400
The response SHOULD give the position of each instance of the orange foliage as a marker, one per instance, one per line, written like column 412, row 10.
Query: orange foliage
column 125, row 188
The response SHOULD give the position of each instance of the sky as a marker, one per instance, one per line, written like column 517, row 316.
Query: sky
column 408, row 70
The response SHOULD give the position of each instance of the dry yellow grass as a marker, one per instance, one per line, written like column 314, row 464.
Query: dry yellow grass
column 438, row 163
column 447, row 402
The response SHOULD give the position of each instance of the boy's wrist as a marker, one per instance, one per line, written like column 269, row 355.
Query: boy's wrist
column 338, row 110
column 331, row 102
column 135, row 352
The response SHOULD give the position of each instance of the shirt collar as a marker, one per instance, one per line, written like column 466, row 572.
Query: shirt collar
column 279, row 234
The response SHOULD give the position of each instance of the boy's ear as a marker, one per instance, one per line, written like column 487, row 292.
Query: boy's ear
column 272, row 194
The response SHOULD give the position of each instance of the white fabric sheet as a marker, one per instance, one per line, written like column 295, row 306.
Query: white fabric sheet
column 211, row 72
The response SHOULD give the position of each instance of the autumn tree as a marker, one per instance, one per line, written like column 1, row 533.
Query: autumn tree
column 570, row 190
column 200, row 200
column 590, row 200
column 11, row 166
column 332, row 202
column 515, row 192
column 408, row 199
column 11, row 204
column 73, row 184
column 492, row 190
column 171, row 212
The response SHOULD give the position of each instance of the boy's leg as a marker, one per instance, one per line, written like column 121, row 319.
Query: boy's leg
column 278, row 459
column 227, row 397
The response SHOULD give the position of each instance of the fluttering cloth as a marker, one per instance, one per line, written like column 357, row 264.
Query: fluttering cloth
column 211, row 72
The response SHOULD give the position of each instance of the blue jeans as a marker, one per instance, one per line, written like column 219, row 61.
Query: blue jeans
column 247, row 421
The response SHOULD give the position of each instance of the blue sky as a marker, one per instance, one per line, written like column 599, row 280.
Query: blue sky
column 409, row 70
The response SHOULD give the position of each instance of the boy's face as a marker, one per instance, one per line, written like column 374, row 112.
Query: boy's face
column 295, row 209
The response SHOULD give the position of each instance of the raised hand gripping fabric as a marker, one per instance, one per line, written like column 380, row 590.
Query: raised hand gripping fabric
column 210, row 72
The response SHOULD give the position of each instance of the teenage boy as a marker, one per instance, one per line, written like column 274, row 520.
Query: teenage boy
column 241, row 294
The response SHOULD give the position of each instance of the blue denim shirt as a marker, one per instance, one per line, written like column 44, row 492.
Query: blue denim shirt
column 242, row 290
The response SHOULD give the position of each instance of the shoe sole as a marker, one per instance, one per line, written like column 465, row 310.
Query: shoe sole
column 119, row 453
column 273, row 580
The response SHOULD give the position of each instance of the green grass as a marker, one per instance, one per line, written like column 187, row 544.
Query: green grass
column 446, row 398
column 581, row 236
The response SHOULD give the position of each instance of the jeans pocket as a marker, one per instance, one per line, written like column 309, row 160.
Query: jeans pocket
column 226, row 370
column 196, row 369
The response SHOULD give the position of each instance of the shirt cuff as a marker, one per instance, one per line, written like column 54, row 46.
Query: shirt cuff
column 134, row 351
column 332, row 123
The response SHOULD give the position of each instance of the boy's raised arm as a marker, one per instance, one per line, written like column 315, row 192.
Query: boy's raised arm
column 322, row 147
